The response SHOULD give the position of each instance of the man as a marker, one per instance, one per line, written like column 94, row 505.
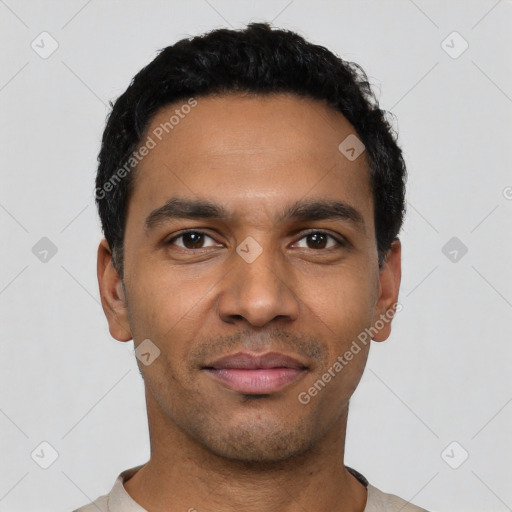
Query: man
column 251, row 194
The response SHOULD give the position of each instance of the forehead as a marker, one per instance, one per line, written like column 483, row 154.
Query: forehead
column 236, row 124
column 249, row 151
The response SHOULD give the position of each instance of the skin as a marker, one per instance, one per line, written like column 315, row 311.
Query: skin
column 213, row 448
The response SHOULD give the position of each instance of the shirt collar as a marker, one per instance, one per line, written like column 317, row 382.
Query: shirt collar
column 119, row 500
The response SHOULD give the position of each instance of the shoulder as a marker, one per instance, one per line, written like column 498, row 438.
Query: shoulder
column 117, row 499
column 379, row 501
column 99, row 505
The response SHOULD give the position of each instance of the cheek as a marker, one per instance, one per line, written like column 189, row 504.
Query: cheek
column 174, row 312
column 341, row 311
column 342, row 304
column 161, row 302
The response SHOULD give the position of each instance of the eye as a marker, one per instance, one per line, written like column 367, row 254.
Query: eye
column 320, row 240
column 192, row 240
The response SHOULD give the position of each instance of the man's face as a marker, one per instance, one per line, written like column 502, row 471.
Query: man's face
column 276, row 273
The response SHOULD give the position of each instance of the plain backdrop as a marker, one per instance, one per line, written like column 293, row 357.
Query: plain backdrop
column 431, row 419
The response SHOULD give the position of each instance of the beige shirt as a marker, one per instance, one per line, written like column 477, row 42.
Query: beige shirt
column 118, row 500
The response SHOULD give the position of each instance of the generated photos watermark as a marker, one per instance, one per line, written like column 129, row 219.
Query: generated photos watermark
column 343, row 360
column 143, row 150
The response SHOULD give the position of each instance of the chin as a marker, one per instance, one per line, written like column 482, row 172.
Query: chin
column 258, row 443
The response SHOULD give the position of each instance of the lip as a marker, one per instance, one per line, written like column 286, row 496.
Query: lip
column 256, row 373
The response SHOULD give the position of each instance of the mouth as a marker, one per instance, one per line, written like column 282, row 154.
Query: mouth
column 256, row 374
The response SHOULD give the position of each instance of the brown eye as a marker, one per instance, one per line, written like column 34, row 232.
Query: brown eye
column 319, row 240
column 192, row 240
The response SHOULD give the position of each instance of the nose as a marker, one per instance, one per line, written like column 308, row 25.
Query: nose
column 258, row 292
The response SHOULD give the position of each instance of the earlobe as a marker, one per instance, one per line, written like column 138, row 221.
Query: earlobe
column 389, row 286
column 112, row 294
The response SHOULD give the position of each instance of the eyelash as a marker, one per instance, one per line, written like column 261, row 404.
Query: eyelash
column 340, row 242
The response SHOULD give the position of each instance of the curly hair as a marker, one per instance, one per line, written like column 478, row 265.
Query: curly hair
column 261, row 60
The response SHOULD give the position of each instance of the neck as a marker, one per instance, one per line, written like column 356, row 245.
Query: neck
column 184, row 475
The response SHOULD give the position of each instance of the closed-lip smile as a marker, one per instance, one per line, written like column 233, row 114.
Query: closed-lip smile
column 256, row 373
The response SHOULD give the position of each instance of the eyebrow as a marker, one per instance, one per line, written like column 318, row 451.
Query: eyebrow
column 302, row 210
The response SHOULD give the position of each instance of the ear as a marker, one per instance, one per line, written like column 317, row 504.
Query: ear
column 112, row 295
column 389, row 285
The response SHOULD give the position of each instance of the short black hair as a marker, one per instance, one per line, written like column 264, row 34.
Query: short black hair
column 262, row 60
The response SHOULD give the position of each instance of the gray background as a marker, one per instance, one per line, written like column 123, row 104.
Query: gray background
column 444, row 375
